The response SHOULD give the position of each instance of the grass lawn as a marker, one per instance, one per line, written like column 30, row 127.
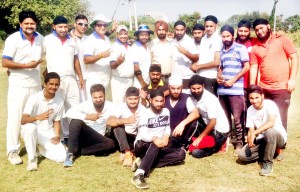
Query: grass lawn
column 215, row 173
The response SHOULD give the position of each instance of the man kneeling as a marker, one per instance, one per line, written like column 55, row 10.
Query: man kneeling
column 266, row 133
column 152, row 140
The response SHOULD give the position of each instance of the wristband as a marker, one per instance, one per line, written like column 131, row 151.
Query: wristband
column 100, row 56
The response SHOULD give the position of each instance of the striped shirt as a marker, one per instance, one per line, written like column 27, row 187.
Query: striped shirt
column 231, row 64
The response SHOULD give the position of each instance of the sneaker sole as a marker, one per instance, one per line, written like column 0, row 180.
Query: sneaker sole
column 66, row 166
column 139, row 187
column 268, row 174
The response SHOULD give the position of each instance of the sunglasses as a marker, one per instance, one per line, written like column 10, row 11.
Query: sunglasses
column 83, row 24
column 100, row 25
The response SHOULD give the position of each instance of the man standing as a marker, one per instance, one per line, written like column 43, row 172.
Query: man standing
column 78, row 34
column 161, row 49
column 41, row 123
column 124, row 123
column 142, row 56
column 21, row 55
column 61, row 57
column 216, row 123
column 266, row 133
column 234, row 64
column 121, row 65
column 209, row 60
column 97, row 50
column 185, row 53
column 88, row 126
column 152, row 140
column 182, row 113
column 276, row 59
column 198, row 33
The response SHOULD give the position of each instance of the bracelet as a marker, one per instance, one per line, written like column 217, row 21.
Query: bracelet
column 100, row 56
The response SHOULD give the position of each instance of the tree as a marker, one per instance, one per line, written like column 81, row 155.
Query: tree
column 234, row 20
column 273, row 16
column 46, row 11
column 292, row 23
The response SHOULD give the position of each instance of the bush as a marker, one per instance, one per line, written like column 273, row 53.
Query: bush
column 295, row 37
column 3, row 35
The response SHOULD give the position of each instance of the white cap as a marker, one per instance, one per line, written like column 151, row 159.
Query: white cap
column 121, row 27
column 102, row 18
column 175, row 81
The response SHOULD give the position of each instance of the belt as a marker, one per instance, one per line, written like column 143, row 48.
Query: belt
column 166, row 75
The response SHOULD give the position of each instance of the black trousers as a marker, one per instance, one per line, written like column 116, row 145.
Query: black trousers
column 125, row 140
column 83, row 140
column 153, row 156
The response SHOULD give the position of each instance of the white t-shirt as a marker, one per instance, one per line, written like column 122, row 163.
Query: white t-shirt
column 94, row 45
column 126, row 68
column 123, row 111
column 60, row 56
column 18, row 49
column 162, row 53
column 207, row 49
column 87, row 107
column 181, row 67
column 256, row 118
column 210, row 108
column 153, row 125
column 141, row 57
column 37, row 104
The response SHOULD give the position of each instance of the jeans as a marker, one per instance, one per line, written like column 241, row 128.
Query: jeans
column 220, row 139
column 153, row 156
column 264, row 148
column 125, row 140
column 235, row 105
column 282, row 99
column 83, row 140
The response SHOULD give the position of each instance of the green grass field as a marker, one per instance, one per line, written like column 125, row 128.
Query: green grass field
column 215, row 173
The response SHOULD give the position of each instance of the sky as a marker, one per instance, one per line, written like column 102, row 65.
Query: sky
column 222, row 9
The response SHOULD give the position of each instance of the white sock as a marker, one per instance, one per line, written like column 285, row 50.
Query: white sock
column 139, row 171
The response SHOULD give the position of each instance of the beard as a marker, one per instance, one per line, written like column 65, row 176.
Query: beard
column 239, row 39
column 98, row 105
column 197, row 96
column 263, row 39
column 156, row 109
column 227, row 43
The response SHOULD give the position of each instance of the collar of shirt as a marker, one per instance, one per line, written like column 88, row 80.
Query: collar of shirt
column 160, row 84
column 120, row 43
column 230, row 48
column 42, row 97
column 23, row 36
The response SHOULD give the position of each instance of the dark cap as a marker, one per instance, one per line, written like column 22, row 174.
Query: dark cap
column 244, row 23
column 198, row 26
column 132, row 91
column 211, row 18
column 228, row 28
column 179, row 23
column 196, row 79
column 156, row 92
column 155, row 68
column 60, row 20
column 260, row 21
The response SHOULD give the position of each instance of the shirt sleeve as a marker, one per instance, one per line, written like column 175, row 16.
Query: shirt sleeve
column 190, row 106
column 29, row 106
column 77, row 112
column 9, row 48
column 88, row 47
column 244, row 54
column 288, row 46
column 249, row 121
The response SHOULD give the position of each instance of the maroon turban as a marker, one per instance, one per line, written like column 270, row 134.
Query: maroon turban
column 161, row 23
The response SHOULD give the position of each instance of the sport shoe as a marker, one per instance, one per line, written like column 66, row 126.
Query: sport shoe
column 136, row 163
column 139, row 181
column 266, row 169
column 14, row 158
column 224, row 147
column 280, row 154
column 128, row 159
column 32, row 165
column 69, row 160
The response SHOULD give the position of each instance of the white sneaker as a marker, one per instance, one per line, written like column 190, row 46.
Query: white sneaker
column 32, row 165
column 14, row 158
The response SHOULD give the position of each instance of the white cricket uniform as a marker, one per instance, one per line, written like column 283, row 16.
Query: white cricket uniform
column 122, row 77
column 153, row 125
column 209, row 107
column 100, row 71
column 256, row 118
column 39, row 133
column 21, row 82
column 207, row 49
column 141, row 57
column 87, row 107
column 181, row 68
column 162, row 53
column 122, row 111
column 79, row 42
column 60, row 59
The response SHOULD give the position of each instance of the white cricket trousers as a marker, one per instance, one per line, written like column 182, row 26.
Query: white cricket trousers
column 69, row 92
column 119, row 85
column 16, row 100
column 36, row 138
